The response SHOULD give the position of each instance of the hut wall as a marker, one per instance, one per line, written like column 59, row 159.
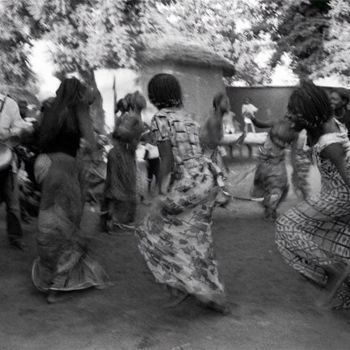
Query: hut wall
column 199, row 85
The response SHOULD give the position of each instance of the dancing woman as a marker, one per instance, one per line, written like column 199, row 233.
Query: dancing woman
column 63, row 264
column 314, row 236
column 175, row 238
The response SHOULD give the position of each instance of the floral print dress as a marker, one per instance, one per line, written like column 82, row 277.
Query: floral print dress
column 176, row 238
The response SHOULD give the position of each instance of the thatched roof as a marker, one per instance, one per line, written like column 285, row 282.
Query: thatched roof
column 18, row 93
column 180, row 50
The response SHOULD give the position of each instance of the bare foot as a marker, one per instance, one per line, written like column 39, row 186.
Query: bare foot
column 337, row 274
column 55, row 297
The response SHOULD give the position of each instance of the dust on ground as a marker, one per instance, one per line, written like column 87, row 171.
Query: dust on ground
column 272, row 306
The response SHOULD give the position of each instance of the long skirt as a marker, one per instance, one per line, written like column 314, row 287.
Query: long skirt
column 176, row 238
column 316, row 233
column 63, row 263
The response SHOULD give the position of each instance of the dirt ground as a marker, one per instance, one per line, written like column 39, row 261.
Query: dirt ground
column 272, row 306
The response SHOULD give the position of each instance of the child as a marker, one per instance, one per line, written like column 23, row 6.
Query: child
column 271, row 180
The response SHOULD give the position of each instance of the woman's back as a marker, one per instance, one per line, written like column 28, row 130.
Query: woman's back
column 182, row 131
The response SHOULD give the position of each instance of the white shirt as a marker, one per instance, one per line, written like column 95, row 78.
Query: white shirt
column 11, row 123
column 249, row 109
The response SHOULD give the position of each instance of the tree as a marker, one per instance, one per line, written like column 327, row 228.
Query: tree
column 226, row 27
column 300, row 29
column 91, row 34
column 15, row 45
column 337, row 46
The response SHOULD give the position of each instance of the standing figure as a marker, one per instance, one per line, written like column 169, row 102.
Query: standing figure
column 63, row 263
column 248, row 113
column 213, row 131
column 175, row 238
column 12, row 127
column 314, row 236
column 119, row 203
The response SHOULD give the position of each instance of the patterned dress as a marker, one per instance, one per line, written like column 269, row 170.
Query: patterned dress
column 316, row 232
column 175, row 238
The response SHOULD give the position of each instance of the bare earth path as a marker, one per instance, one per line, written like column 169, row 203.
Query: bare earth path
column 272, row 306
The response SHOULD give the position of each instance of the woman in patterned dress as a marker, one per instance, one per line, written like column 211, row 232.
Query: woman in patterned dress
column 175, row 238
column 314, row 236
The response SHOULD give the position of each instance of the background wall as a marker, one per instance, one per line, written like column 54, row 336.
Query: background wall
column 272, row 101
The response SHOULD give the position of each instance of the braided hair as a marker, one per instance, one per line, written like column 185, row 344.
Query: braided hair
column 311, row 107
column 164, row 91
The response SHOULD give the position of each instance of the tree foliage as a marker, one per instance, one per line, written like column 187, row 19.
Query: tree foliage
column 337, row 46
column 91, row 34
column 300, row 29
column 15, row 42
column 226, row 27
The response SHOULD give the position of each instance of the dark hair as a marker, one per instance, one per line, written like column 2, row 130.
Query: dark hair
column 134, row 101
column 121, row 106
column 218, row 98
column 70, row 97
column 164, row 91
column 137, row 101
column 311, row 104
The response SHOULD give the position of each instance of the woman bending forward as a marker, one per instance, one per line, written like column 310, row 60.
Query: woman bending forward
column 175, row 238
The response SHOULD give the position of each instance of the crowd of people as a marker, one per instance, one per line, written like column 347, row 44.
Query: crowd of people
column 188, row 163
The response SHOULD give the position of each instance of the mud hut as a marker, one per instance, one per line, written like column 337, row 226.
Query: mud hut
column 199, row 70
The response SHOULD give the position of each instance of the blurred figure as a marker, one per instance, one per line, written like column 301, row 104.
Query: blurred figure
column 63, row 263
column 248, row 112
column 12, row 128
column 301, row 159
column 313, row 237
column 152, row 158
column 119, row 203
column 339, row 102
column 271, row 179
column 23, row 108
column 213, row 131
column 175, row 237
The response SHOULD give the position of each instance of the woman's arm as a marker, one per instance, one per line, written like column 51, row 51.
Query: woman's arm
column 166, row 164
column 260, row 124
column 336, row 154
